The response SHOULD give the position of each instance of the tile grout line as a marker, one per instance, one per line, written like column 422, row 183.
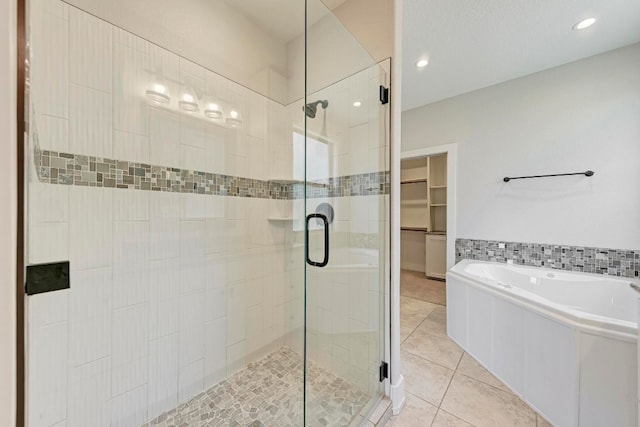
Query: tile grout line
column 447, row 391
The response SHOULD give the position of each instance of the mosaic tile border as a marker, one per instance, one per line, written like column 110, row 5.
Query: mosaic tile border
column 612, row 262
column 89, row 171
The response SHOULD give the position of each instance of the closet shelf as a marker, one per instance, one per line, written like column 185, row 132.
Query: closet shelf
column 414, row 202
column 413, row 181
column 438, row 205
column 421, row 229
column 435, row 187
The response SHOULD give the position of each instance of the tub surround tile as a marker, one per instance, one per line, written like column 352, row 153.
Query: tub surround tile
column 483, row 405
column 612, row 262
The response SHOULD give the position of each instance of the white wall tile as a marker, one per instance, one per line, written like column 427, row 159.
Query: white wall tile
column 236, row 313
column 193, row 206
column 216, row 235
column 129, row 355
column 90, row 122
column 257, row 165
column 90, row 316
column 163, row 298
column 52, row 132
column 48, row 203
column 90, row 51
column 89, row 395
column 130, row 40
column 130, row 242
column 48, row 308
column 192, row 158
column 192, row 132
column 216, row 148
column 48, row 242
column 190, row 380
column 50, row 68
column 255, row 337
column 164, row 136
column 257, row 115
column 165, row 64
column 131, row 205
column 192, row 314
column 236, row 236
column 192, row 238
column 130, row 283
column 163, row 375
column 130, row 83
column 236, row 357
column 130, row 147
column 236, row 267
column 164, row 225
column 238, row 143
column 130, row 409
column 192, row 274
column 48, row 374
column 216, row 271
column 215, row 352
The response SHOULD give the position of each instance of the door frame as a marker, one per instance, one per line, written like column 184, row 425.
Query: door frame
column 451, row 150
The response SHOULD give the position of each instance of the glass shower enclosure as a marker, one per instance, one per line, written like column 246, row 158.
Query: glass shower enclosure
column 212, row 178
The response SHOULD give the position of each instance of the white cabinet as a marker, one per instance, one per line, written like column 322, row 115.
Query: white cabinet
column 435, row 255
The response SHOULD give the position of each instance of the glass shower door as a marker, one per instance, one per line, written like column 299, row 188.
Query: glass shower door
column 345, row 197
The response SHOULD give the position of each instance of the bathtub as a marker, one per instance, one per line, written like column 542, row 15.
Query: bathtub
column 565, row 342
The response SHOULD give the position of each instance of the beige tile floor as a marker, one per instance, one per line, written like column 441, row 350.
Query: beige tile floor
column 444, row 385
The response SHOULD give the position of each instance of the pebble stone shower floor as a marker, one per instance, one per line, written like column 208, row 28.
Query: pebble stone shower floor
column 269, row 393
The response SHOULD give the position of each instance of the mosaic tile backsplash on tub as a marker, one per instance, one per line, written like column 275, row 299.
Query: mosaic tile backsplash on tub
column 613, row 262
column 89, row 171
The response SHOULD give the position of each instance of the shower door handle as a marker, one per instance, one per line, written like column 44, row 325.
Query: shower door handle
column 325, row 221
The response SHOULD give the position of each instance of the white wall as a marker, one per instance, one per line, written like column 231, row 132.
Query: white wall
column 583, row 115
column 332, row 55
column 7, row 211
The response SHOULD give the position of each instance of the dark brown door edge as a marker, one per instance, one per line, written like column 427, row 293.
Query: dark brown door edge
column 20, row 132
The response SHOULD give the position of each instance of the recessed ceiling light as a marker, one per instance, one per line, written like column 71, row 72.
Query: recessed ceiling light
column 422, row 63
column 584, row 24
column 357, row 104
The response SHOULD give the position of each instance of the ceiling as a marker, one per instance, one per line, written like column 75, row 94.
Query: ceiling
column 284, row 19
column 473, row 44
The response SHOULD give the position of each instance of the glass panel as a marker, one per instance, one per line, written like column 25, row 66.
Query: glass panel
column 161, row 166
column 168, row 155
column 347, row 177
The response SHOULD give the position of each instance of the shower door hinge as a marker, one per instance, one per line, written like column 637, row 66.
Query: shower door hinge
column 384, row 95
column 384, row 371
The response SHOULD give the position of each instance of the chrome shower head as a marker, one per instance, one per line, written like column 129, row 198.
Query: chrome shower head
column 312, row 108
